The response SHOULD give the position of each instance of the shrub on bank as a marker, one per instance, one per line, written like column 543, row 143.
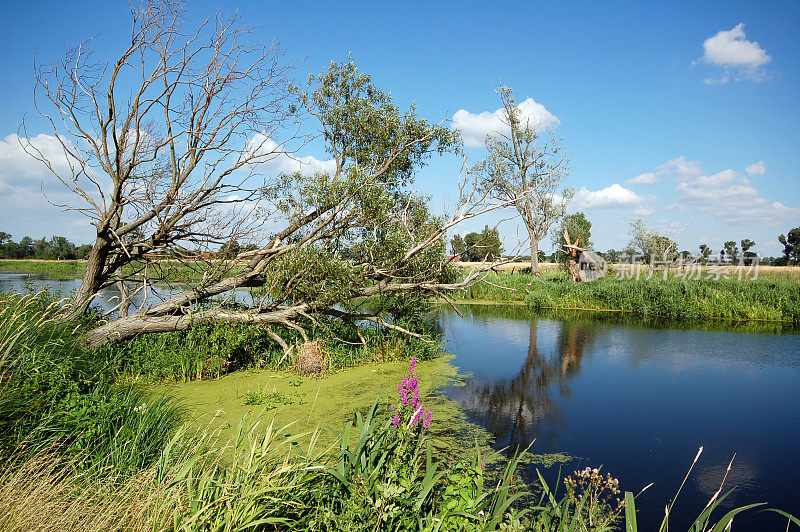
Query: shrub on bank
column 210, row 351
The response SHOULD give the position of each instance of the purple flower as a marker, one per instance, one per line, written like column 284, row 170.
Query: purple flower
column 415, row 398
column 427, row 420
column 396, row 420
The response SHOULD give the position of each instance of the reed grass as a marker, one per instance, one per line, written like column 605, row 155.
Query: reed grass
column 56, row 395
column 763, row 299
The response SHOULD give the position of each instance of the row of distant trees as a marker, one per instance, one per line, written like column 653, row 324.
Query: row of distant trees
column 58, row 247
column 645, row 242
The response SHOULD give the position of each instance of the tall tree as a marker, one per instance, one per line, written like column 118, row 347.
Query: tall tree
column 169, row 144
column 705, row 252
column 652, row 245
column 747, row 245
column 457, row 246
column 791, row 246
column 526, row 167
column 731, row 250
column 483, row 246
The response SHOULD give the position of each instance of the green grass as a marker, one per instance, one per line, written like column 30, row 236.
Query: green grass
column 56, row 395
column 79, row 450
column 60, row 269
column 763, row 299
column 772, row 297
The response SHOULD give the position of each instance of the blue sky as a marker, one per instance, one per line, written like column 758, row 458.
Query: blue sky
column 634, row 89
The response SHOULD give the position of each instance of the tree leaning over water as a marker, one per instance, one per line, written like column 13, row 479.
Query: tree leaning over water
column 167, row 151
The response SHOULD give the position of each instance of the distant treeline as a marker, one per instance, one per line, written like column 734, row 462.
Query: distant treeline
column 58, row 247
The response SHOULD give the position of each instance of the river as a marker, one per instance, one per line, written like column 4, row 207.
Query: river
column 639, row 401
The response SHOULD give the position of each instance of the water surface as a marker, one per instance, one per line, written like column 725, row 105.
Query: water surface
column 639, row 401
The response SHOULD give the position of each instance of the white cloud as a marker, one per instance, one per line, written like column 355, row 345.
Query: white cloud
column 24, row 208
column 726, row 195
column 756, row 169
column 278, row 159
column 680, row 168
column 735, row 55
column 475, row 127
column 614, row 196
column 643, row 179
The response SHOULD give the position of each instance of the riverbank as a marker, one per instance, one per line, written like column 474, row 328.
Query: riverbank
column 773, row 296
column 168, row 270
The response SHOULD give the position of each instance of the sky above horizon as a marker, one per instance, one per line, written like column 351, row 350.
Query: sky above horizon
column 682, row 114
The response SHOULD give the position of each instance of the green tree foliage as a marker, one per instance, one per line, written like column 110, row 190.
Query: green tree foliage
column 652, row 245
column 612, row 255
column 731, row 250
column 705, row 252
column 230, row 249
column 791, row 246
column 57, row 248
column 457, row 245
column 476, row 247
column 485, row 245
column 378, row 220
column 363, row 128
column 748, row 244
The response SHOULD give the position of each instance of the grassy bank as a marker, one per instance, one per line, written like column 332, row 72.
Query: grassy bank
column 84, row 446
column 60, row 269
column 773, row 296
column 764, row 299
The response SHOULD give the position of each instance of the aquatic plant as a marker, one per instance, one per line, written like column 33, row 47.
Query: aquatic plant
column 410, row 411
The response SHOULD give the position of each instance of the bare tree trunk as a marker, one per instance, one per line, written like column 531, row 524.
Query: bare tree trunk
column 91, row 282
column 534, row 256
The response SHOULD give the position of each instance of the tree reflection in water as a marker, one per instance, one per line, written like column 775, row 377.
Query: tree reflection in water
column 518, row 410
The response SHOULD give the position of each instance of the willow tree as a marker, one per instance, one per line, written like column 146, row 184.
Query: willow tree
column 525, row 167
column 168, row 152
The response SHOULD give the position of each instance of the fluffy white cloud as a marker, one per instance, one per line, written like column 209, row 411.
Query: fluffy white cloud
column 756, row 169
column 279, row 160
column 614, row 196
column 727, row 195
column 643, row 179
column 738, row 57
column 24, row 209
column 475, row 127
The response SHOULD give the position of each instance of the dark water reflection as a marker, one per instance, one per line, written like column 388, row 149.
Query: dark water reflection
column 639, row 401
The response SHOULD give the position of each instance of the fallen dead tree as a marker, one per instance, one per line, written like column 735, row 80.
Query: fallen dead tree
column 171, row 150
